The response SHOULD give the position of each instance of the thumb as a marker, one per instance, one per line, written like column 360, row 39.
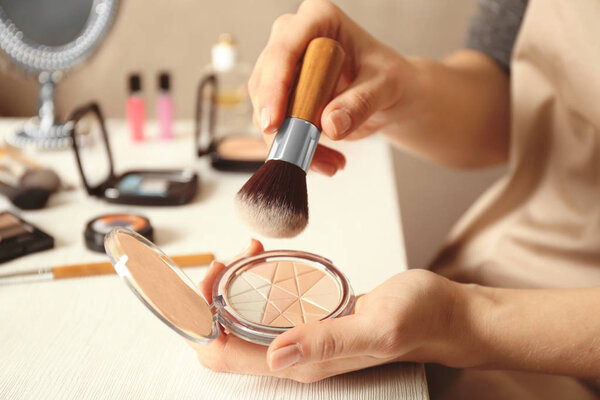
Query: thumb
column 351, row 108
column 320, row 341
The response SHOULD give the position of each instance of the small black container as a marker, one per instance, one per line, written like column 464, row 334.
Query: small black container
column 99, row 227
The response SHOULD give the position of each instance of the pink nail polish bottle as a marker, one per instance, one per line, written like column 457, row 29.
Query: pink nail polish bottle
column 165, row 107
column 136, row 114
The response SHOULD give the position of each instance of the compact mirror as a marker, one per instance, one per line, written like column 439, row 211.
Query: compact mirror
column 161, row 285
column 256, row 298
column 44, row 38
column 160, row 187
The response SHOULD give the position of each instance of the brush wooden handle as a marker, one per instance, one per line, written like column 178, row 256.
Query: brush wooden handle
column 319, row 74
column 103, row 268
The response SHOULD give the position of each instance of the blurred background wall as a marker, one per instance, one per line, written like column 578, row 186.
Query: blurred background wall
column 150, row 36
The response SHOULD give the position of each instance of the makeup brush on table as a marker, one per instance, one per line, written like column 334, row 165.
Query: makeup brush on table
column 274, row 201
column 90, row 269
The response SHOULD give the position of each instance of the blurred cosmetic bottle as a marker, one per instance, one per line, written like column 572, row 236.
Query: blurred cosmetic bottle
column 136, row 114
column 164, row 106
column 234, row 113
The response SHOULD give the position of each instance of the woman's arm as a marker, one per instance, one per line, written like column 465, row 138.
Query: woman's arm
column 454, row 112
column 553, row 331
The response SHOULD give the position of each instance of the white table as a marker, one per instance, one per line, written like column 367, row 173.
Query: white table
column 90, row 338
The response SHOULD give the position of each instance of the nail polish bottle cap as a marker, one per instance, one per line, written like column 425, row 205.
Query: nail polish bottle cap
column 135, row 83
column 164, row 81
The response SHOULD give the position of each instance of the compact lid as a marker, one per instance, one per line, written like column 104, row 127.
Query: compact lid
column 161, row 285
column 92, row 148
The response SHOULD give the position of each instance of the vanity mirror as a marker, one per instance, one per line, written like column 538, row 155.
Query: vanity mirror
column 44, row 38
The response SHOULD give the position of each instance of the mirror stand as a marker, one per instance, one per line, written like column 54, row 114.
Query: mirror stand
column 43, row 132
column 73, row 33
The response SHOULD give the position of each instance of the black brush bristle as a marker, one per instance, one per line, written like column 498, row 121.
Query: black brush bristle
column 274, row 201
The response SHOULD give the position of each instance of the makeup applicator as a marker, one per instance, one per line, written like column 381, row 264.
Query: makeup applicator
column 274, row 201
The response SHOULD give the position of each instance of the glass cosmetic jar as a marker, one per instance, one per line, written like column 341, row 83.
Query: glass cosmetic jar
column 256, row 298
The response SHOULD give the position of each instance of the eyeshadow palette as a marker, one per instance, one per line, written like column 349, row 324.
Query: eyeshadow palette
column 19, row 238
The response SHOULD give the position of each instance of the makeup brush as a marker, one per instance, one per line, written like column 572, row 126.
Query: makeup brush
column 99, row 268
column 274, row 201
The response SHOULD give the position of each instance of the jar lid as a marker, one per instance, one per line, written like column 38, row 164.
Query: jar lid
column 161, row 285
column 224, row 54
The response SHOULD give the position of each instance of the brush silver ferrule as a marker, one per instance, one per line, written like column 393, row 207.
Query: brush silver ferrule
column 295, row 142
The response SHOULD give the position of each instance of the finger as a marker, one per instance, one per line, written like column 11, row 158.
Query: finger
column 327, row 161
column 324, row 152
column 313, row 372
column 279, row 66
column 253, row 88
column 324, row 167
column 289, row 37
column 253, row 247
column 228, row 353
column 206, row 284
column 320, row 341
column 351, row 108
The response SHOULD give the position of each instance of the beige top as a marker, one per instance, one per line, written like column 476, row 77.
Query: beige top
column 540, row 225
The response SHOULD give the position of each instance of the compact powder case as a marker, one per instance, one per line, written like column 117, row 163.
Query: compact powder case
column 97, row 229
column 152, row 187
column 256, row 298
column 237, row 152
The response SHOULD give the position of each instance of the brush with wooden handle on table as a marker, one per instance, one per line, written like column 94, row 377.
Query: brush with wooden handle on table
column 99, row 268
column 274, row 201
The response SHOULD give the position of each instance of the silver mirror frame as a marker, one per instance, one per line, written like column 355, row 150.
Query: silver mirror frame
column 49, row 62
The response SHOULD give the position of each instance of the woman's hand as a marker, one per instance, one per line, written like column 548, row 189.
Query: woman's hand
column 455, row 112
column 370, row 89
column 407, row 318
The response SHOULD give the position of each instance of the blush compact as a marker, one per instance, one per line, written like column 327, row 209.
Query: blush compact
column 256, row 298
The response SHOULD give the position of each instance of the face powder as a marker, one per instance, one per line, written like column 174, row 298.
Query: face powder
column 243, row 148
column 256, row 298
column 283, row 294
column 262, row 296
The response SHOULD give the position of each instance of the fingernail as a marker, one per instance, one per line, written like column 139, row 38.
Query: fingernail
column 211, row 267
column 249, row 245
column 285, row 357
column 326, row 169
column 340, row 121
column 265, row 121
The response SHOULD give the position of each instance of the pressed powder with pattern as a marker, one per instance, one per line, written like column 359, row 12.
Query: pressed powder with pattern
column 256, row 298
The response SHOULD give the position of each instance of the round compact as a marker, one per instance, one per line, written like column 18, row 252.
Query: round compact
column 99, row 227
column 256, row 298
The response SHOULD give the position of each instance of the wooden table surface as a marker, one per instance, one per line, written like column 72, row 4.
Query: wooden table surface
column 90, row 338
